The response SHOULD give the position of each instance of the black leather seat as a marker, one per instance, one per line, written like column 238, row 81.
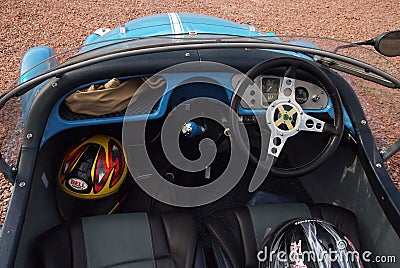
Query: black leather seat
column 237, row 234
column 123, row 240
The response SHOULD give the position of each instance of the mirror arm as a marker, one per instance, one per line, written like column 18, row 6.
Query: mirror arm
column 370, row 42
column 392, row 150
column 343, row 47
column 9, row 172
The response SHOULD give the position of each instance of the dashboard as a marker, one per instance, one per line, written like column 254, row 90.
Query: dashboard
column 266, row 88
column 179, row 87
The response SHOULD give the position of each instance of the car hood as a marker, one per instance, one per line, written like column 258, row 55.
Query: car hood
column 169, row 24
column 178, row 23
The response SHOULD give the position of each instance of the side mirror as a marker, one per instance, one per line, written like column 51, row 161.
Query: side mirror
column 388, row 44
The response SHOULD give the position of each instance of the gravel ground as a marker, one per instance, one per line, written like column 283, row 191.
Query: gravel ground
column 64, row 24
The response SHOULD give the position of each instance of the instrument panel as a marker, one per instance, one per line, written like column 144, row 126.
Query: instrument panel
column 266, row 90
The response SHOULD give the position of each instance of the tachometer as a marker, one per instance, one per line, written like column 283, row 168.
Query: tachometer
column 301, row 95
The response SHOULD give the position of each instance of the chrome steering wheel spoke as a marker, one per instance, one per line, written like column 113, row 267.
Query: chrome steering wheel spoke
column 276, row 143
column 287, row 89
column 310, row 123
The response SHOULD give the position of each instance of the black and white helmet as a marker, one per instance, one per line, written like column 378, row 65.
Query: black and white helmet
column 309, row 243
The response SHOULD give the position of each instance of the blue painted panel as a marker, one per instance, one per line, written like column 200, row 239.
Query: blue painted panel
column 173, row 23
column 56, row 124
column 30, row 66
column 34, row 63
column 91, row 39
column 207, row 24
column 179, row 23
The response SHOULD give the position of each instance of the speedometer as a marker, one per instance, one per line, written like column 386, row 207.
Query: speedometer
column 270, row 88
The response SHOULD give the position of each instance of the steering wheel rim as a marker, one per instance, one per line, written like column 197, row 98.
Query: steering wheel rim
column 293, row 64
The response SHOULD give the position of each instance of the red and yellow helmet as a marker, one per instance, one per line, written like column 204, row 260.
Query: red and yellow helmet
column 93, row 178
column 93, row 170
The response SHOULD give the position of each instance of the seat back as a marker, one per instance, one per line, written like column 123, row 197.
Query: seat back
column 237, row 234
column 123, row 240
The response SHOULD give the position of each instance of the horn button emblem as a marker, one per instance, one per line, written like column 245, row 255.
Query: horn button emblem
column 286, row 117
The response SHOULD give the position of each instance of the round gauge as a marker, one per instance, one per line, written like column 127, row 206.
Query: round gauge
column 270, row 88
column 270, row 85
column 301, row 95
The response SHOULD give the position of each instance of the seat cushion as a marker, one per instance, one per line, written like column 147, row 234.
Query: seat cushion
column 237, row 234
column 123, row 240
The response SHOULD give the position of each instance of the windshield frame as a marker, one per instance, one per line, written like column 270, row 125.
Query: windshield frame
column 234, row 42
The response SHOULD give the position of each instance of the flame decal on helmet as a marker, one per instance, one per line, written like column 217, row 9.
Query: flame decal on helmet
column 108, row 166
column 101, row 171
column 117, row 162
column 72, row 157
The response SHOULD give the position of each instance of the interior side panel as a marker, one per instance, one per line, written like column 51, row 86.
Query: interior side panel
column 345, row 183
column 42, row 212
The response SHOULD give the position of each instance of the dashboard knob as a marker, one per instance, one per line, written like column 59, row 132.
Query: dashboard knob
column 191, row 129
column 316, row 98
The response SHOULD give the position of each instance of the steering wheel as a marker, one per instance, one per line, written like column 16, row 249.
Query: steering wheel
column 285, row 118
